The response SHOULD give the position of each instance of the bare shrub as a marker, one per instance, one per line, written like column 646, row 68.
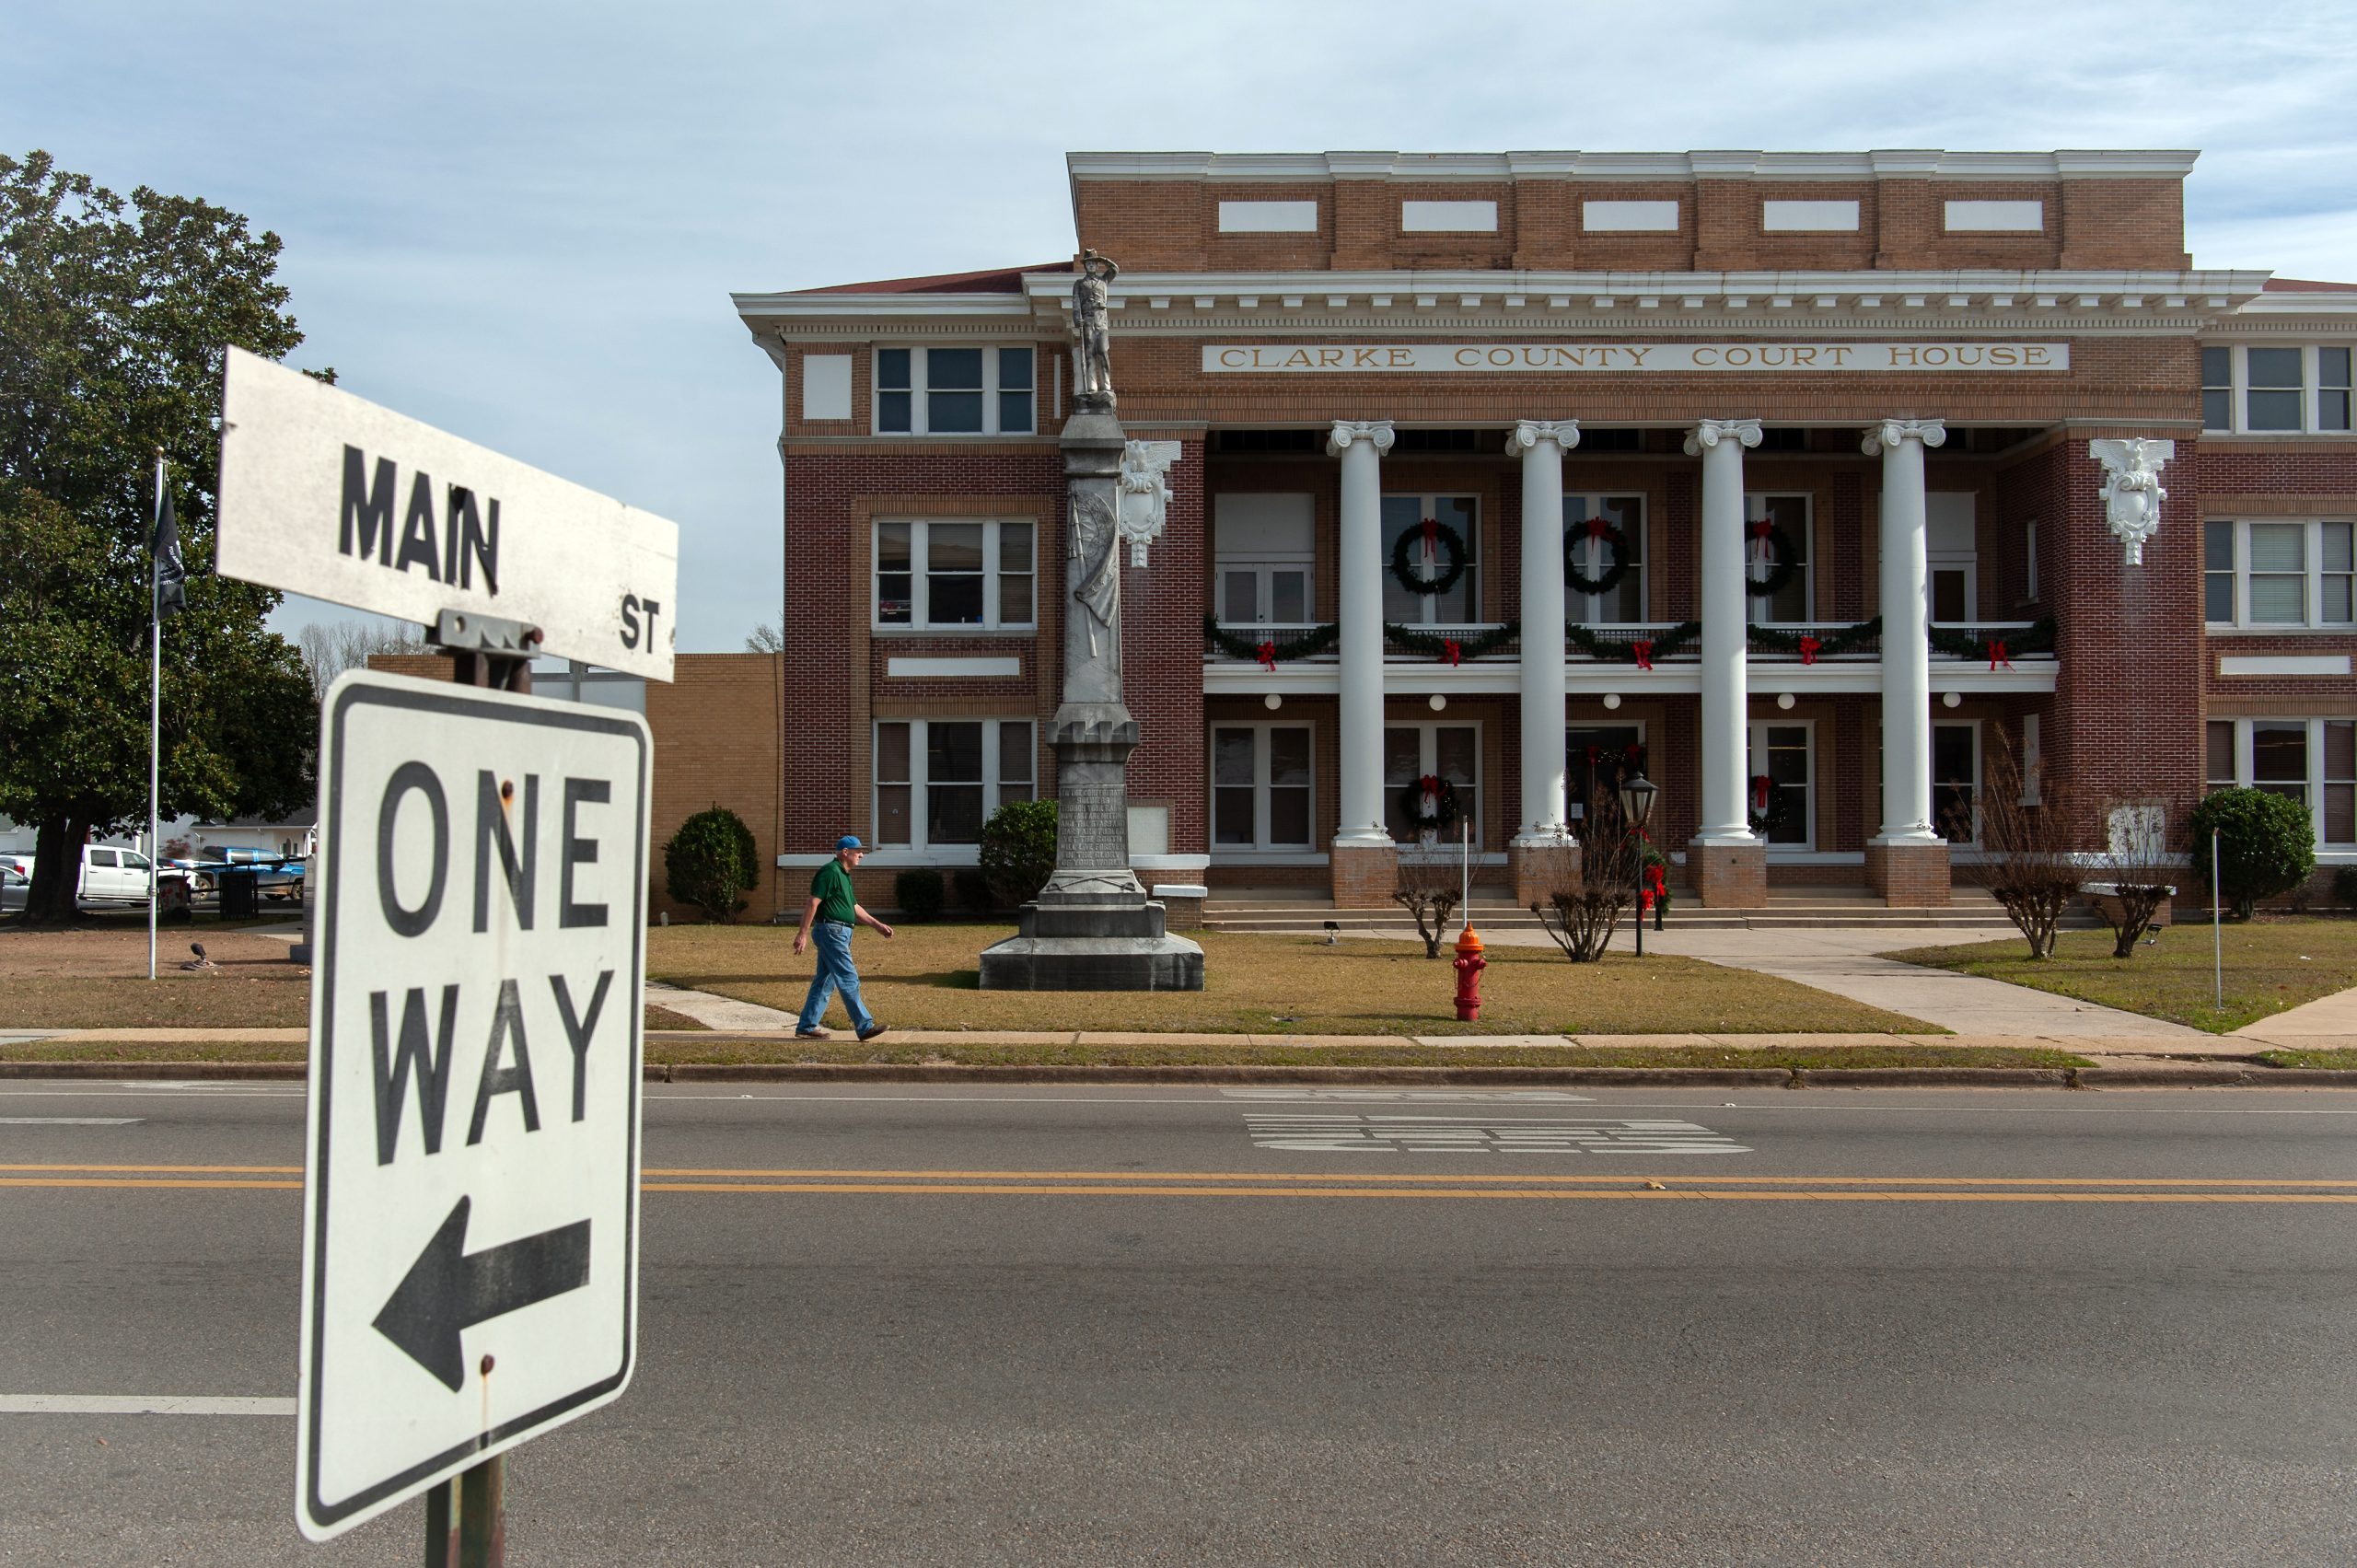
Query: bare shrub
column 1585, row 904
column 2139, row 865
column 2024, row 858
column 1430, row 887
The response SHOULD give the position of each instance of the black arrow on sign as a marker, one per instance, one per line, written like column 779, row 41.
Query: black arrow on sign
column 449, row 1290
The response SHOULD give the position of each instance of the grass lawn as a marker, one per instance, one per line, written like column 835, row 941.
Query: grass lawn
column 2272, row 963
column 927, row 978
column 2339, row 1057
column 1899, row 1053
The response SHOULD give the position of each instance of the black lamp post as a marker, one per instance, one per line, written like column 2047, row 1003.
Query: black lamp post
column 1637, row 795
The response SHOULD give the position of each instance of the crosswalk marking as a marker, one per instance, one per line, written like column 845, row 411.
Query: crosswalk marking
column 1310, row 1132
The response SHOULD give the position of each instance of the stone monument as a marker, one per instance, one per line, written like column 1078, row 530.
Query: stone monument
column 1092, row 927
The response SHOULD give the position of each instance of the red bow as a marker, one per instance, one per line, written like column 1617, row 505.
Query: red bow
column 1760, row 786
column 1597, row 527
column 1266, row 653
column 1643, row 648
column 1451, row 651
column 1653, row 875
column 1808, row 650
column 1997, row 654
column 1645, row 899
column 1760, row 530
column 1428, row 793
column 1630, row 752
column 1431, row 526
column 1593, row 753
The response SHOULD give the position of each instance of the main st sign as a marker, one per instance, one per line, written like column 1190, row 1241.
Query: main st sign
column 471, row 1257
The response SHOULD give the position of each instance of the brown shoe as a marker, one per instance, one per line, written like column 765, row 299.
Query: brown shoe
column 812, row 1034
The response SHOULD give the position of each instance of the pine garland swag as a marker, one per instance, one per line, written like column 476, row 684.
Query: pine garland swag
column 1308, row 644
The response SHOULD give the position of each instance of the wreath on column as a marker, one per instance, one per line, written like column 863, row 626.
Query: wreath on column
column 1607, row 580
column 1783, row 558
column 1771, row 808
column 1443, row 543
column 1430, row 803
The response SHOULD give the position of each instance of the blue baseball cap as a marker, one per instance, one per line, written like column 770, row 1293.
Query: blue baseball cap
column 849, row 840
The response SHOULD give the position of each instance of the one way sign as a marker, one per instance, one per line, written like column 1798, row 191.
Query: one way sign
column 470, row 1207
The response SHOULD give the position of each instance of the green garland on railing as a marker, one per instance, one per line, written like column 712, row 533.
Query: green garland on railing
column 1310, row 643
column 1434, row 645
column 1849, row 639
column 1668, row 645
column 2038, row 639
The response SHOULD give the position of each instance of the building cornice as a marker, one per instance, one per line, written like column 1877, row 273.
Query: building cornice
column 1884, row 163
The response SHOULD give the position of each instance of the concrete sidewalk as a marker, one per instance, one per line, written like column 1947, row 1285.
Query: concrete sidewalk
column 2329, row 1023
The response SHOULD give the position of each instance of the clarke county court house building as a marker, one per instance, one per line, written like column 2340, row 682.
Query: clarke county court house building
column 1813, row 477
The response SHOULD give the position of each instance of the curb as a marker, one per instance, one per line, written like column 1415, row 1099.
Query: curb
column 2221, row 1076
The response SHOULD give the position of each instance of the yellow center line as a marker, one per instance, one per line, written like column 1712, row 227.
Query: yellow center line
column 237, row 1169
column 137, row 1181
column 1637, row 1193
column 1523, row 1179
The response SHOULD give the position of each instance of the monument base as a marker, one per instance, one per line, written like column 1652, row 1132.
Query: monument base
column 1120, row 944
column 1909, row 874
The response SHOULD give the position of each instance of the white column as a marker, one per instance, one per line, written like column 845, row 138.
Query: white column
column 1906, row 625
column 1725, row 812
column 1542, row 445
column 1359, row 583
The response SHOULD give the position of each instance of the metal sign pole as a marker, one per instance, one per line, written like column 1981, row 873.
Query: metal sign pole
column 2217, row 925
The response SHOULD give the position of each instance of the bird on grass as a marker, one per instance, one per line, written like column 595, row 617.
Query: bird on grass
column 200, row 962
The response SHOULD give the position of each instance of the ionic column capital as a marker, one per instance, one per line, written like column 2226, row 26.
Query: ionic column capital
column 1527, row 433
column 1375, row 433
column 1709, row 433
column 1891, row 432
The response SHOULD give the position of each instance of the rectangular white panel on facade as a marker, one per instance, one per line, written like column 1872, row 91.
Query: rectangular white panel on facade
column 1149, row 829
column 825, row 386
column 1248, row 524
column 917, row 667
column 1947, row 517
column 2283, row 664
column 1807, row 217
column 1621, row 358
column 1268, row 218
column 1629, row 217
column 1448, row 217
column 1996, row 218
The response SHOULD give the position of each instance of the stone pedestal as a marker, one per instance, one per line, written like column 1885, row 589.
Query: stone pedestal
column 1728, row 876
column 1540, row 866
column 1363, row 874
column 1909, row 875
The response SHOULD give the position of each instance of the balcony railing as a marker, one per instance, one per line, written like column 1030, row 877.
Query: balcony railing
column 1641, row 644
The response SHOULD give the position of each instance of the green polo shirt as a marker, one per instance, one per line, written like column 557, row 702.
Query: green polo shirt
column 831, row 887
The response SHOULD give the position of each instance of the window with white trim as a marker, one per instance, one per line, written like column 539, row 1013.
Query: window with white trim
column 1795, row 603
column 2269, row 573
column 934, row 573
column 1591, row 557
column 2264, row 388
column 2313, row 761
column 1404, row 516
column 1786, row 754
column 937, row 781
column 1411, row 753
column 1952, row 559
column 1261, row 787
column 1956, row 782
column 1263, row 559
column 956, row 392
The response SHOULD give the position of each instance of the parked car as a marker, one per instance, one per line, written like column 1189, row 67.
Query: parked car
column 274, row 875
column 109, row 876
column 13, row 887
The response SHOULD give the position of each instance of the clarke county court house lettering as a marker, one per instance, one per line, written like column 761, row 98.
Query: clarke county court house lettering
column 1812, row 510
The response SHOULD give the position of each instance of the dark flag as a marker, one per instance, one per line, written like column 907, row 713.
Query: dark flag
column 172, row 576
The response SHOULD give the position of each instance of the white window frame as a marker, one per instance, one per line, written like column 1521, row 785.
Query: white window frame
column 1262, row 843
column 992, row 782
column 920, row 400
column 1754, row 608
column 1979, row 784
column 2315, row 782
column 1756, row 745
column 1428, row 759
column 2311, row 384
column 1428, row 604
column 2313, row 568
column 919, row 593
column 1586, row 610
column 1572, row 761
column 1234, row 549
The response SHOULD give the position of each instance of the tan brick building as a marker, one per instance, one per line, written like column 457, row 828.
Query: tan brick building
column 1802, row 480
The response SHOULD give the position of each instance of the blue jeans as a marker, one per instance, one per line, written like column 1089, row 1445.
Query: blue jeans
column 832, row 940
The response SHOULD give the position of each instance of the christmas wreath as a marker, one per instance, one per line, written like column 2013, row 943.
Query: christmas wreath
column 1430, row 803
column 1607, row 580
column 1771, row 808
column 1445, row 546
column 1784, row 558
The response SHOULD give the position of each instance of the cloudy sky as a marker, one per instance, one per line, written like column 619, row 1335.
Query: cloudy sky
column 522, row 222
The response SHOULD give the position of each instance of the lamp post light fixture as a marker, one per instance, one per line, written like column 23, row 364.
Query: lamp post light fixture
column 1637, row 797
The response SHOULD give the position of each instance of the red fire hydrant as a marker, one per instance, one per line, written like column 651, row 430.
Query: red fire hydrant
column 1468, row 966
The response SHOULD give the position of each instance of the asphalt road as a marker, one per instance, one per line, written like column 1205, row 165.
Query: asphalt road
column 1844, row 1327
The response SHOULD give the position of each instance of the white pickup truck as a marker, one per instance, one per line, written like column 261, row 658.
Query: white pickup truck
column 109, row 876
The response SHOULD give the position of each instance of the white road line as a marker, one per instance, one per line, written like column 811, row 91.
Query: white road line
column 70, row 1121
column 140, row 1404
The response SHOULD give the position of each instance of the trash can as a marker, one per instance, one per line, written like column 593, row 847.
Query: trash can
column 239, row 897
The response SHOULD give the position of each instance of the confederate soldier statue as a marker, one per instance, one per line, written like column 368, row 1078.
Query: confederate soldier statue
column 1091, row 361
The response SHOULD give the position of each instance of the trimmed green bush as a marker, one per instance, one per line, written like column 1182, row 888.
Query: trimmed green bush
column 918, row 893
column 2266, row 845
column 1019, row 850
column 971, row 889
column 710, row 864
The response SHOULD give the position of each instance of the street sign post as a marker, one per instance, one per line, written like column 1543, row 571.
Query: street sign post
column 471, row 1200
column 328, row 494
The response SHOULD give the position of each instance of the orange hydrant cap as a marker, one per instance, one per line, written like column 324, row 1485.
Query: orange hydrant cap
column 1468, row 943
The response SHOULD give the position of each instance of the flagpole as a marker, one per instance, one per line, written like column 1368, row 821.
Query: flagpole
column 155, row 711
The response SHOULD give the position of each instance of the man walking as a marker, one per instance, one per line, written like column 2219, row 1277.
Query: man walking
column 835, row 912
